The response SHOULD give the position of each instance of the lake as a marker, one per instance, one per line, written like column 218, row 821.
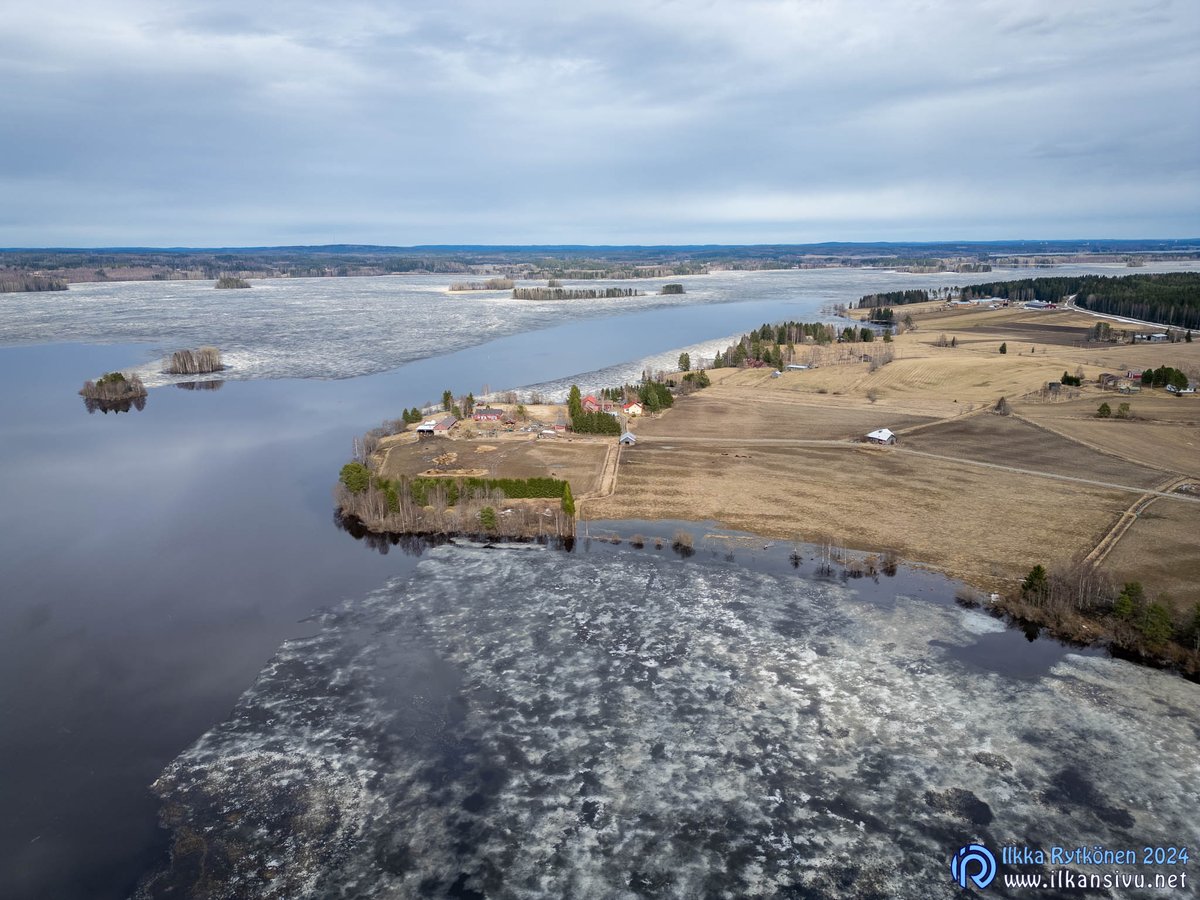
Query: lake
column 155, row 561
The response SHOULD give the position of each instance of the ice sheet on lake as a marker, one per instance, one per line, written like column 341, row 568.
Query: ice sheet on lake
column 541, row 725
column 343, row 327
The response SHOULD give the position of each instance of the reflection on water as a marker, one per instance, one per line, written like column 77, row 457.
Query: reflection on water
column 213, row 385
column 93, row 405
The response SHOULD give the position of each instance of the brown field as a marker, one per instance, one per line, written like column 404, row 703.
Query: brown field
column 581, row 462
column 987, row 526
column 1006, row 440
column 1162, row 550
column 725, row 411
column 736, row 452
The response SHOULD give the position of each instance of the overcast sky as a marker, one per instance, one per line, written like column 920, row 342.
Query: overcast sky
column 181, row 122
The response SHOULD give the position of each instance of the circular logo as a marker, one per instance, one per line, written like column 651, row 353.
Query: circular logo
column 973, row 857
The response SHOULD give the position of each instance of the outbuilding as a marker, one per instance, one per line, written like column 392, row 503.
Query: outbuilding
column 882, row 436
column 628, row 439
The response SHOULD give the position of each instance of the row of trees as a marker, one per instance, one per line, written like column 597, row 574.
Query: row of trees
column 492, row 284
column 447, row 506
column 15, row 284
column 559, row 293
column 1165, row 376
column 893, row 298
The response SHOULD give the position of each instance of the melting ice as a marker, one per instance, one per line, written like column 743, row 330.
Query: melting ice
column 514, row 724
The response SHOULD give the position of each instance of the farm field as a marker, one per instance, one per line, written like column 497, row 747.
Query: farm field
column 1165, row 431
column 1006, row 440
column 581, row 462
column 1162, row 550
column 725, row 412
column 724, row 453
column 986, row 526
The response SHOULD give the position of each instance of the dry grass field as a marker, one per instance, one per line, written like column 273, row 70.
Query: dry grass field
column 726, row 410
column 1162, row 549
column 581, row 462
column 986, row 526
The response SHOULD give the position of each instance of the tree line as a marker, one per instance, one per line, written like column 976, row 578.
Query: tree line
column 31, row 283
column 559, row 293
column 1156, row 628
column 893, row 298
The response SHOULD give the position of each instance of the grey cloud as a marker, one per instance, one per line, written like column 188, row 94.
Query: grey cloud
column 225, row 123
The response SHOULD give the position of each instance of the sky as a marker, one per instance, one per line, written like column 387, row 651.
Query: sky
column 216, row 123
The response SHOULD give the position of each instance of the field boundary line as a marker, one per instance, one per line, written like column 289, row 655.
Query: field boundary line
column 1106, row 544
column 1091, row 446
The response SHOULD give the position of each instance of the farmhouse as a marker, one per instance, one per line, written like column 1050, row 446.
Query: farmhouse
column 882, row 436
column 633, row 408
column 488, row 414
column 590, row 404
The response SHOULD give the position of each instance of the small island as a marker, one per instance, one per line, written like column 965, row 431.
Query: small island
column 31, row 283
column 673, row 288
column 194, row 362
column 114, row 392
column 492, row 284
column 561, row 293
column 231, row 282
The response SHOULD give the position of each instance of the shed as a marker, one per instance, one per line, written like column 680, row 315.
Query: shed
column 776, row 374
column 628, row 438
column 441, row 426
column 795, row 367
column 882, row 436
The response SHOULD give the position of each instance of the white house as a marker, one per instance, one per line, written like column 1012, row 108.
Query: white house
column 882, row 436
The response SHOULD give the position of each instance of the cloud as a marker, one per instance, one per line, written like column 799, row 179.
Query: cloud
column 231, row 123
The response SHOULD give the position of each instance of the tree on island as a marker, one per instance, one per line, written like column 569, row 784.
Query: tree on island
column 1004, row 348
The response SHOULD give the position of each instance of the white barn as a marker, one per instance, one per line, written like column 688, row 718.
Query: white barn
column 882, row 436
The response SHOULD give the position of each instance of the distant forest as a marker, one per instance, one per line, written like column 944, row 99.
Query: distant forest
column 573, row 262
column 1171, row 298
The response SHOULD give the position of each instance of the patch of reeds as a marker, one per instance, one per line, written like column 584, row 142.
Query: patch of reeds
column 195, row 362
